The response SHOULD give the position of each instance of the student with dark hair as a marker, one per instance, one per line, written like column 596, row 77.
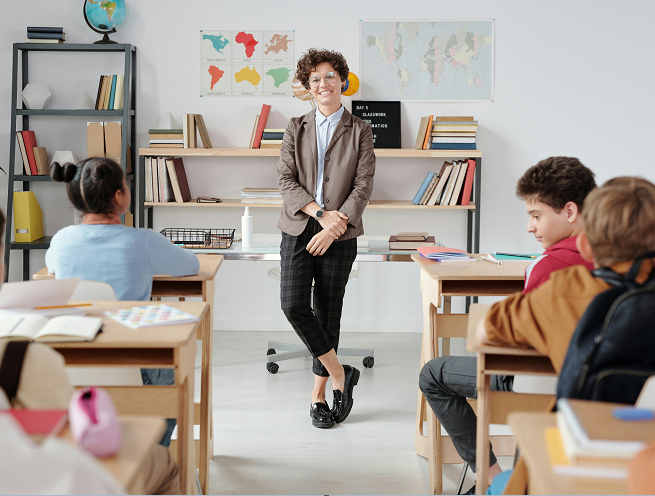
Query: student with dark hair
column 325, row 175
column 103, row 249
column 554, row 192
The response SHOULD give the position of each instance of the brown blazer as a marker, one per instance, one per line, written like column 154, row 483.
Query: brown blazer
column 348, row 172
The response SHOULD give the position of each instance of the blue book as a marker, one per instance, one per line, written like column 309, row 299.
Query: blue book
column 424, row 186
column 453, row 146
column 272, row 136
column 113, row 92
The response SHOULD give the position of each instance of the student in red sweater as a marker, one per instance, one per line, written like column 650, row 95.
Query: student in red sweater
column 554, row 191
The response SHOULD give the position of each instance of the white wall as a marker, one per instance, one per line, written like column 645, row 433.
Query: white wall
column 572, row 78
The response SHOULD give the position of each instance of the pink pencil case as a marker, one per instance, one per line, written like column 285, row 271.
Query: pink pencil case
column 94, row 422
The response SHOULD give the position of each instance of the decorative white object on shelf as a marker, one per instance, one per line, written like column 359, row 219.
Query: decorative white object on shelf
column 36, row 96
column 64, row 157
column 86, row 103
column 168, row 122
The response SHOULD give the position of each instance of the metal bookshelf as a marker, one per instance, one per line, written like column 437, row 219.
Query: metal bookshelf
column 127, row 116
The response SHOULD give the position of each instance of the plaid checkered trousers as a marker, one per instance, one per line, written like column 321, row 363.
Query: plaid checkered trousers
column 318, row 327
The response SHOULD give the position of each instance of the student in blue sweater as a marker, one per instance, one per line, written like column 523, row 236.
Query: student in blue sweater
column 102, row 249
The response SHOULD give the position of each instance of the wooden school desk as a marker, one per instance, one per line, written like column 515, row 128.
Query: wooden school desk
column 172, row 346
column 501, row 360
column 200, row 285
column 530, row 428
column 447, row 280
column 140, row 434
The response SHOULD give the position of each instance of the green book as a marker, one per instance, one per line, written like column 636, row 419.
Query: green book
column 165, row 131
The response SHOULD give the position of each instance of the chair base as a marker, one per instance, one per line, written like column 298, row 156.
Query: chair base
column 298, row 351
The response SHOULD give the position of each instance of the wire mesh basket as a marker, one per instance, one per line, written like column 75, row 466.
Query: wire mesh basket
column 200, row 238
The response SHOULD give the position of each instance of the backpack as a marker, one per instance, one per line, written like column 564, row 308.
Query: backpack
column 612, row 351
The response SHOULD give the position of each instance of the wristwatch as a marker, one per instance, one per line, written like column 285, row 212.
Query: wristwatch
column 319, row 214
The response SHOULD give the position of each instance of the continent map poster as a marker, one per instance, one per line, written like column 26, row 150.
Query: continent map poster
column 246, row 63
column 439, row 60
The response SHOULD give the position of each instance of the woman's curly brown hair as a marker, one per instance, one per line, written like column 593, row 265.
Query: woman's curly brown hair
column 309, row 60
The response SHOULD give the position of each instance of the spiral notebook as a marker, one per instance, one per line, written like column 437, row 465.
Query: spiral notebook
column 150, row 316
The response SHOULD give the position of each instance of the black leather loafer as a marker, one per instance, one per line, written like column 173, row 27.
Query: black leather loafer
column 321, row 416
column 343, row 402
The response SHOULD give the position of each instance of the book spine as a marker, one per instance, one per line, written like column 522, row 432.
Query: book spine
column 29, row 138
column 424, row 186
column 468, row 183
column 261, row 125
column 166, row 131
column 40, row 35
column 45, row 29
column 23, row 153
column 272, row 136
column 113, row 92
column 120, row 87
column 454, row 146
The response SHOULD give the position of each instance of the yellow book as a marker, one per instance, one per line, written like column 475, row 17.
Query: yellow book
column 28, row 217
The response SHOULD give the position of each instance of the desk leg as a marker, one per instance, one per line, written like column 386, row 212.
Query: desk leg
column 184, row 371
column 206, row 410
column 482, row 435
column 430, row 446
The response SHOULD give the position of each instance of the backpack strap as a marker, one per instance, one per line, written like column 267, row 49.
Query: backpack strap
column 11, row 367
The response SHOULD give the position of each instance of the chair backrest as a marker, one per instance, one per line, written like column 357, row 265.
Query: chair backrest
column 93, row 291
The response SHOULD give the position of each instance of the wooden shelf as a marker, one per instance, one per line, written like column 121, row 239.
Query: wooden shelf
column 389, row 204
column 275, row 152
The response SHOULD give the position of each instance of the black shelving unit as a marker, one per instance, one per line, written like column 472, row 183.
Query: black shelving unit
column 127, row 115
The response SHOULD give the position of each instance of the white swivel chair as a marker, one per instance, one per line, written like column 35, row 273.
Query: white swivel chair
column 300, row 350
column 100, row 376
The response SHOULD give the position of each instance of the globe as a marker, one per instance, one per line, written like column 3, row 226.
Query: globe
column 103, row 16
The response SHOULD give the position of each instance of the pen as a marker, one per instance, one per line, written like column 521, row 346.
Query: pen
column 515, row 255
column 64, row 306
column 495, row 262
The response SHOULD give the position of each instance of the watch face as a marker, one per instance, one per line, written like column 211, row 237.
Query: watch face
column 319, row 214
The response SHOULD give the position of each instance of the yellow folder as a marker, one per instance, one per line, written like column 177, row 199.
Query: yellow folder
column 28, row 217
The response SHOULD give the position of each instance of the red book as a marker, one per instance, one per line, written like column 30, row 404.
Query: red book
column 30, row 142
column 468, row 183
column 40, row 422
column 263, row 117
column 181, row 179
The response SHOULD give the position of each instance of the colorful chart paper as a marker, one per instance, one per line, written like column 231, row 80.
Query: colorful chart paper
column 150, row 316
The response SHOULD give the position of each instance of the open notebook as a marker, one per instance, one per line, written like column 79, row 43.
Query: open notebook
column 58, row 329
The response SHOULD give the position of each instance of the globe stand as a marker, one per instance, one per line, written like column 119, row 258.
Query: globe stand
column 105, row 39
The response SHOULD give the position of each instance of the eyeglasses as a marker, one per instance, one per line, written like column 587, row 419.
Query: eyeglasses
column 329, row 78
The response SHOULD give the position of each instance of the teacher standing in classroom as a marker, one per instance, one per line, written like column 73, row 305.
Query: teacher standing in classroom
column 325, row 176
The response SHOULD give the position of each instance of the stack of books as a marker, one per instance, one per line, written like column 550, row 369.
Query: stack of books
column 590, row 441
column 166, row 138
column 110, row 92
column 45, row 35
column 447, row 133
column 261, row 195
column 453, row 185
column 272, row 138
column 166, row 180
column 259, row 127
column 410, row 241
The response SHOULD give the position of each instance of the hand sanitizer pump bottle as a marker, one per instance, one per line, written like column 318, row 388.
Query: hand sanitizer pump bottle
column 246, row 230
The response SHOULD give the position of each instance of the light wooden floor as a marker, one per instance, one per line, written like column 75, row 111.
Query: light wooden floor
column 264, row 439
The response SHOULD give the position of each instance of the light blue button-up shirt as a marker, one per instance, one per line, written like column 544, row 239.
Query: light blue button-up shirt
column 325, row 127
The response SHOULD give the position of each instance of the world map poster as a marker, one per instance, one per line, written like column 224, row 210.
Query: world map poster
column 436, row 60
column 246, row 63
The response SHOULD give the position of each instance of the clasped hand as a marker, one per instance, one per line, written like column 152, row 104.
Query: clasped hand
column 334, row 224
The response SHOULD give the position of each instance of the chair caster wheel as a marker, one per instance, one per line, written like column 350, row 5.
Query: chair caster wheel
column 270, row 351
column 368, row 362
column 272, row 367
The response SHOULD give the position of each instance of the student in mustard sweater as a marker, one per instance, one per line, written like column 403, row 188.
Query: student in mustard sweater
column 102, row 249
